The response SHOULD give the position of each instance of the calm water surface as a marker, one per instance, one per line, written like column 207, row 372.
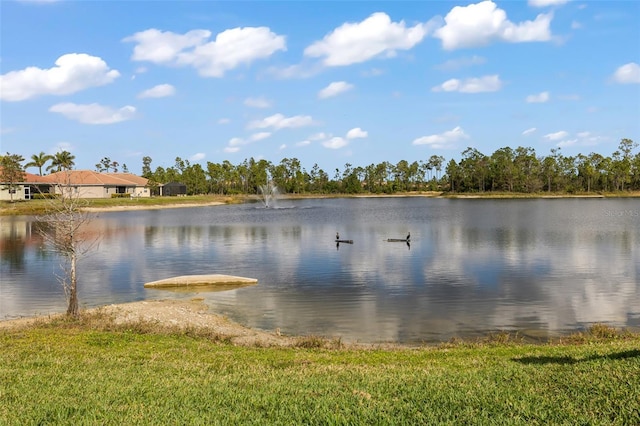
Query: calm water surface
column 541, row 267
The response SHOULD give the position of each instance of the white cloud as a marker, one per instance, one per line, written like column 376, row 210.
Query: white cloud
column 231, row 48
column 545, row 3
column 334, row 89
column 456, row 64
column 585, row 139
column 335, row 143
column 529, row 131
column 236, row 142
column 482, row 23
column 356, row 133
column 538, row 99
column 283, row 146
column 565, row 143
column 303, row 143
column 7, row 130
column 575, row 25
column 627, row 74
column 94, row 113
column 319, row 136
column 63, row 146
column 376, row 36
column 279, row 121
column 257, row 103
column 488, row 83
column 159, row 91
column 73, row 72
column 373, row 72
column 443, row 140
column 303, row 70
column 224, row 120
column 557, row 135
column 163, row 47
column 197, row 157
column 259, row 136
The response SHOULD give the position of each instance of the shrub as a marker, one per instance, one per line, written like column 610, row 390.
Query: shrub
column 603, row 331
column 44, row 196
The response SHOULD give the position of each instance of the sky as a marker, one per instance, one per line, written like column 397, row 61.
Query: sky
column 327, row 82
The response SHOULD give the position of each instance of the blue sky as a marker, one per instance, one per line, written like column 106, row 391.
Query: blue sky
column 325, row 82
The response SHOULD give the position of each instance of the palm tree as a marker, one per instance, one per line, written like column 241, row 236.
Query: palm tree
column 39, row 160
column 62, row 160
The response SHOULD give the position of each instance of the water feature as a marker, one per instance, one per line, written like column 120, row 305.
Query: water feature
column 539, row 267
column 269, row 193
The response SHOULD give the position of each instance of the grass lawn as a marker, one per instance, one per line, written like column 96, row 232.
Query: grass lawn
column 37, row 207
column 72, row 373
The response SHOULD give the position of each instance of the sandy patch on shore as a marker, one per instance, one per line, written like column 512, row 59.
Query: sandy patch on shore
column 172, row 314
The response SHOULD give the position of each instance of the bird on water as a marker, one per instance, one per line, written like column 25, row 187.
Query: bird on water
column 337, row 236
column 408, row 236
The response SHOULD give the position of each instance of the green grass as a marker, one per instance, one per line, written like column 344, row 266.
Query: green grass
column 78, row 373
column 36, row 207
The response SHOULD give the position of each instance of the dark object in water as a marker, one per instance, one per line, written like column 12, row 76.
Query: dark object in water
column 345, row 241
column 398, row 240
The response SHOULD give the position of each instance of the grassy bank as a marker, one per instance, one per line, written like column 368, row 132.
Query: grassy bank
column 498, row 194
column 79, row 373
column 36, row 207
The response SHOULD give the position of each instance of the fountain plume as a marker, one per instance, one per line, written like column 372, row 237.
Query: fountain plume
column 269, row 192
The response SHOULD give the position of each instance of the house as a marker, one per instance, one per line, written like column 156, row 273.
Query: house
column 18, row 190
column 84, row 183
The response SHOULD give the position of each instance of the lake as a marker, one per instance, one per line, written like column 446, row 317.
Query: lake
column 541, row 267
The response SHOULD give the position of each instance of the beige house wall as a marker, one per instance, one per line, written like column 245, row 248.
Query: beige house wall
column 82, row 191
column 78, row 191
column 18, row 195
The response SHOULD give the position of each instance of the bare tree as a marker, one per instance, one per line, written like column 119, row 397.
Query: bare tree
column 64, row 228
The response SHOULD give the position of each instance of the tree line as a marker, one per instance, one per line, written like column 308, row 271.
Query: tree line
column 518, row 170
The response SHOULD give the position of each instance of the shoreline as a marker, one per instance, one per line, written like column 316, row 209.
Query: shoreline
column 194, row 315
column 430, row 194
column 149, row 207
column 10, row 209
column 177, row 315
column 164, row 315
